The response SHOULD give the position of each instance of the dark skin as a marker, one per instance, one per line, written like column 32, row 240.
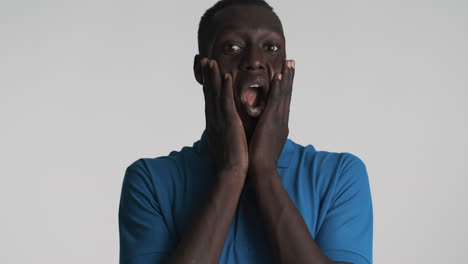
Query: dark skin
column 248, row 45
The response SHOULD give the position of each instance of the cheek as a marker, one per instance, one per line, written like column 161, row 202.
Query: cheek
column 275, row 67
column 226, row 65
column 278, row 63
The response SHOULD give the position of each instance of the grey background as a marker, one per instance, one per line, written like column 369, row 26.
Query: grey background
column 87, row 87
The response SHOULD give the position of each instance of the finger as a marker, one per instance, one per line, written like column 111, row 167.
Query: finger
column 209, row 104
column 215, row 78
column 278, row 97
column 286, row 82
column 229, row 106
column 216, row 87
column 274, row 93
column 287, row 90
column 205, row 75
column 292, row 70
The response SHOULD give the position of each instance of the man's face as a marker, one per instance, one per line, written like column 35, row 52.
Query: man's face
column 248, row 43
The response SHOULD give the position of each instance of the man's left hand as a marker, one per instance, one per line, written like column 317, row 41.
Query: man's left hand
column 271, row 131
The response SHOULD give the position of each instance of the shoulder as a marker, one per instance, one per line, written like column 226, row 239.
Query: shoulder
column 329, row 169
column 328, row 160
column 159, row 174
column 166, row 164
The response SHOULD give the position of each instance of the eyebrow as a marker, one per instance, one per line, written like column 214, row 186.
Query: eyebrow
column 236, row 29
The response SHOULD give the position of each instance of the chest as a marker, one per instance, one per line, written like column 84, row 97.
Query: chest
column 247, row 240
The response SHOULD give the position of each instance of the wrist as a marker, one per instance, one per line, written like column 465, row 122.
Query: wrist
column 262, row 172
column 261, row 176
column 237, row 174
column 262, row 169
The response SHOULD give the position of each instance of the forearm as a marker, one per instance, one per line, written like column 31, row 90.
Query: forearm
column 204, row 241
column 287, row 231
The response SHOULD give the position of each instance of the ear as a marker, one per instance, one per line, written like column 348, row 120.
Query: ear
column 197, row 70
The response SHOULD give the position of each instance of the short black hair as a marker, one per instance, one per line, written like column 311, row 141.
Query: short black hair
column 205, row 21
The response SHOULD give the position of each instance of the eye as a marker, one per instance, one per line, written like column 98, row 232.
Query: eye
column 272, row 47
column 232, row 48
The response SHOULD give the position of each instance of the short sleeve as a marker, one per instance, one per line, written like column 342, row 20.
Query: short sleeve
column 144, row 234
column 347, row 231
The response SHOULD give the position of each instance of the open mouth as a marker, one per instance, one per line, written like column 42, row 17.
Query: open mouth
column 253, row 99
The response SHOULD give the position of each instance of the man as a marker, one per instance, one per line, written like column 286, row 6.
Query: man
column 245, row 193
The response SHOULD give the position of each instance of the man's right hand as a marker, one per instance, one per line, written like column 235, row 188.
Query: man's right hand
column 224, row 129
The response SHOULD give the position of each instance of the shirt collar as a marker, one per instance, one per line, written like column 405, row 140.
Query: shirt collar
column 201, row 146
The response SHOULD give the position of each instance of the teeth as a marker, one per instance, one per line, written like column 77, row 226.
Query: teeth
column 255, row 110
column 255, row 85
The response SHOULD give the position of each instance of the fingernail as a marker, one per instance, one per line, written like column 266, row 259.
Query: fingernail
column 226, row 75
column 211, row 64
column 279, row 76
column 293, row 64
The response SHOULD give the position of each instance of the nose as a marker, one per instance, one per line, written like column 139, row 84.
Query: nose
column 253, row 60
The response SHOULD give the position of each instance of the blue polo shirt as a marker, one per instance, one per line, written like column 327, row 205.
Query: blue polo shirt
column 161, row 196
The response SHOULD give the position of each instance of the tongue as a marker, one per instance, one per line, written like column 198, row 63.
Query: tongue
column 250, row 96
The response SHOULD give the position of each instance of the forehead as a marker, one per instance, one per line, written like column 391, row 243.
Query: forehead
column 245, row 18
